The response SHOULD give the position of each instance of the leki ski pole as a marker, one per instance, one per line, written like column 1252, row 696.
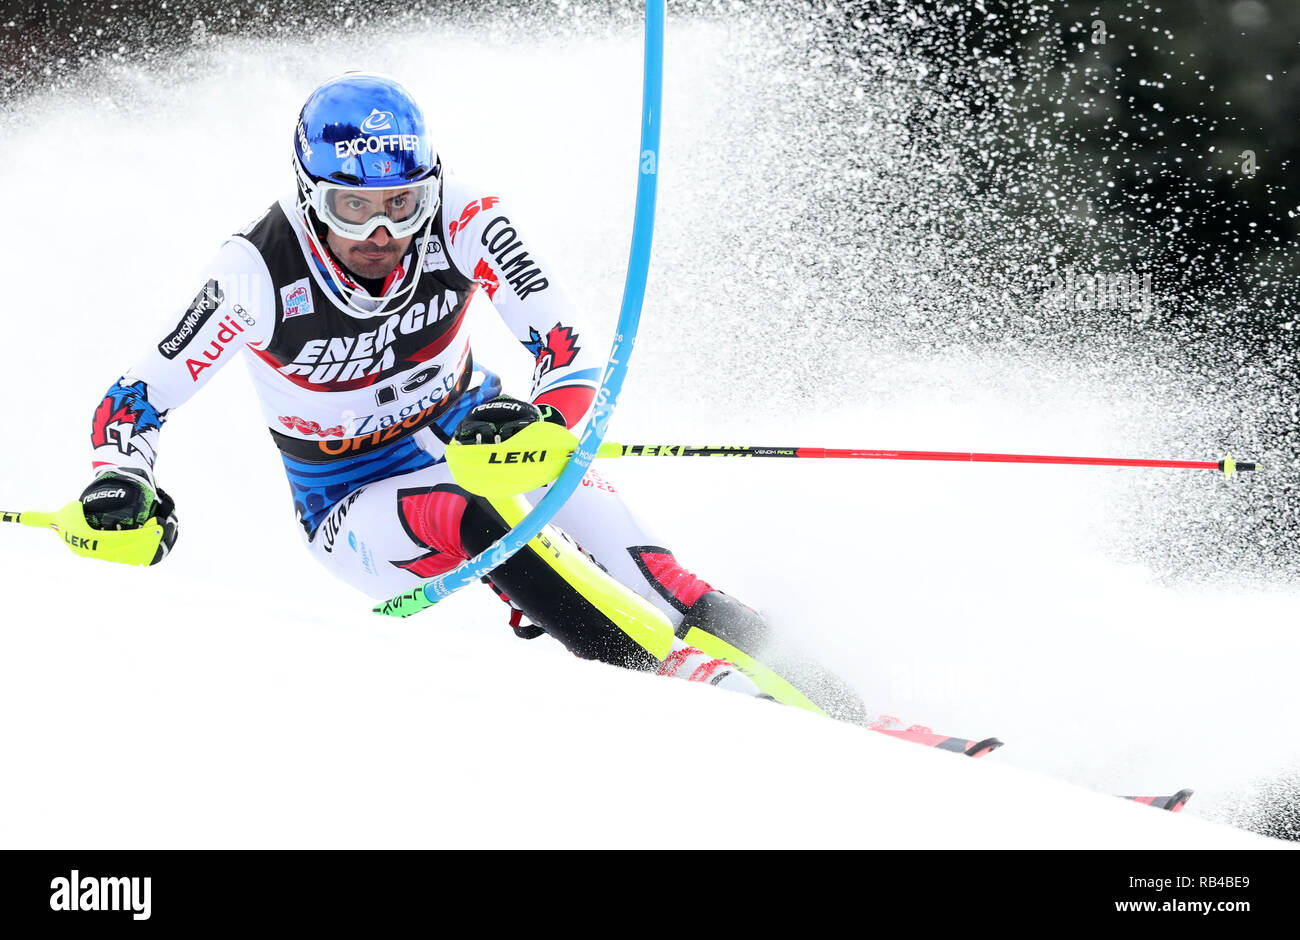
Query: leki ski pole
column 533, row 457
column 1228, row 465
column 125, row 546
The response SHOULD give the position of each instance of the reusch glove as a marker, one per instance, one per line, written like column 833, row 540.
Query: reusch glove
column 501, row 418
column 121, row 499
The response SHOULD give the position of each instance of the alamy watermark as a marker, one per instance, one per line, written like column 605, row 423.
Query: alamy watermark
column 79, row 892
column 1128, row 291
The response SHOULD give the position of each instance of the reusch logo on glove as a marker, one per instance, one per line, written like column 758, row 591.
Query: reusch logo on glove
column 500, row 404
column 105, row 494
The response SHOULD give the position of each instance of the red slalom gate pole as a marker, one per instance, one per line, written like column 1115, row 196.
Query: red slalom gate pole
column 1228, row 466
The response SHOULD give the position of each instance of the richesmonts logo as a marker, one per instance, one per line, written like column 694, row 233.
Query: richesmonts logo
column 76, row 893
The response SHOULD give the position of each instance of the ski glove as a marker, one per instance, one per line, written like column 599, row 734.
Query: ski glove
column 125, row 499
column 501, row 418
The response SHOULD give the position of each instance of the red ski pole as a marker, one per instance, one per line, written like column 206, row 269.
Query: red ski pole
column 1227, row 465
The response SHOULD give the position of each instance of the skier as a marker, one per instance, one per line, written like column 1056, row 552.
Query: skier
column 350, row 299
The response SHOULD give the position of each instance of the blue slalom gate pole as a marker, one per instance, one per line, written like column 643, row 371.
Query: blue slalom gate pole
column 620, row 352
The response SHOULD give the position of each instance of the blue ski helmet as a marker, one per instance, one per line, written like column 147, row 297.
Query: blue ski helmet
column 363, row 131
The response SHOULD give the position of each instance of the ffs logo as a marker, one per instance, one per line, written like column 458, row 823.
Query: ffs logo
column 560, row 348
column 471, row 210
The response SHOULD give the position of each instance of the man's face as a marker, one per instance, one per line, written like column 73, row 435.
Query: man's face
column 377, row 255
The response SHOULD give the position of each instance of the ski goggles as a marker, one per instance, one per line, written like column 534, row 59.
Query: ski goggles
column 355, row 212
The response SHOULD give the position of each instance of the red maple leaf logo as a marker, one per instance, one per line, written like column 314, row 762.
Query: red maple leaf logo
column 562, row 344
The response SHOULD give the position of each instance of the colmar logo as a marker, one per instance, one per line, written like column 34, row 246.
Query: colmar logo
column 104, row 494
column 377, row 121
column 297, row 299
column 521, row 272
column 468, row 213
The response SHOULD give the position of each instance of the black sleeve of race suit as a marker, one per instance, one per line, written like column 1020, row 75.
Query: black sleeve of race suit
column 544, row 595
